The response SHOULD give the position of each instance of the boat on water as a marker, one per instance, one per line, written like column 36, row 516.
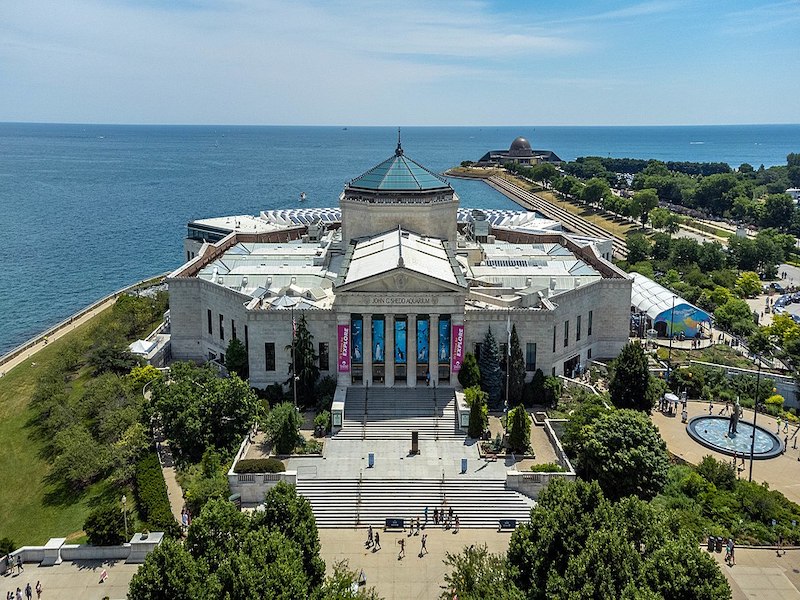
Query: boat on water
column 302, row 196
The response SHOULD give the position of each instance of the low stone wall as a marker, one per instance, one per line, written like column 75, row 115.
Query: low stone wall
column 56, row 551
column 531, row 484
column 252, row 487
column 462, row 411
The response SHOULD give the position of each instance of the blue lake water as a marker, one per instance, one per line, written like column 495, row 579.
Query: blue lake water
column 88, row 209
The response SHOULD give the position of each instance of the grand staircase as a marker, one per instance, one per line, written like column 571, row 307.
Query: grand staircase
column 359, row 503
column 380, row 413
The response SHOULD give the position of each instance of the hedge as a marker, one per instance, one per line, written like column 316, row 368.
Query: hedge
column 151, row 496
column 260, row 465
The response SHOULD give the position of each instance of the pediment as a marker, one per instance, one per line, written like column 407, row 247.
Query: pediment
column 401, row 280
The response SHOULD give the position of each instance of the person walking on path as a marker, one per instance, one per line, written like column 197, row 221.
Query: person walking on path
column 425, row 512
column 20, row 568
column 458, row 524
column 435, row 516
column 423, row 549
column 28, row 591
column 377, row 545
column 103, row 576
column 369, row 536
column 402, row 553
column 38, row 589
column 19, row 594
column 729, row 556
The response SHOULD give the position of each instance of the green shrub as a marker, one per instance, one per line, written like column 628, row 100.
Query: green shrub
column 260, row 465
column 478, row 411
column 323, row 421
column 547, row 468
column 309, row 447
column 105, row 526
column 7, row 546
column 151, row 496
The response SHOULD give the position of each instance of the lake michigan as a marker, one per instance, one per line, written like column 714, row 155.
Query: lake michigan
column 88, row 209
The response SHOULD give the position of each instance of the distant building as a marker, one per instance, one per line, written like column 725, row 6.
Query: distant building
column 794, row 193
column 520, row 152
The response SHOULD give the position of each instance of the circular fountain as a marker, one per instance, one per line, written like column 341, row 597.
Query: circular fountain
column 720, row 434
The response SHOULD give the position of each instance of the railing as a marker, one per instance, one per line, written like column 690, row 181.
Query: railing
column 358, row 498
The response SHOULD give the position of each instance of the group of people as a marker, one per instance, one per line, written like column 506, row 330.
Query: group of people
column 28, row 592
column 730, row 559
column 446, row 520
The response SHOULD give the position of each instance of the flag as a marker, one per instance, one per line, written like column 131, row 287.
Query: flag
column 508, row 329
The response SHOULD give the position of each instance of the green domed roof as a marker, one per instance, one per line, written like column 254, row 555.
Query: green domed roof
column 399, row 173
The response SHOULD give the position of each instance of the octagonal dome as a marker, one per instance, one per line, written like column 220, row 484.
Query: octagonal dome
column 520, row 147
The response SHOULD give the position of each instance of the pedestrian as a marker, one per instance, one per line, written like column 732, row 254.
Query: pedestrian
column 710, row 408
column 780, row 545
column 377, row 545
column 402, row 553
column 362, row 578
column 427, row 378
column 458, row 524
column 19, row 594
column 28, row 591
column 369, row 536
column 20, row 568
column 779, row 425
column 730, row 557
column 435, row 516
column 424, row 549
column 425, row 512
column 38, row 589
column 103, row 576
column 417, row 526
column 786, row 426
column 785, row 442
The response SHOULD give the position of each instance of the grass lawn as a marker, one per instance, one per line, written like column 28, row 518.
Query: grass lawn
column 32, row 510
column 719, row 354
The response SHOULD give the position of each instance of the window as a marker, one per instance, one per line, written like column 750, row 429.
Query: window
column 221, row 327
column 578, row 330
column 478, row 351
column 246, row 340
column 589, row 330
column 554, row 338
column 589, row 353
column 210, row 330
column 530, row 356
column 269, row 356
column 566, row 333
column 323, row 356
column 233, row 329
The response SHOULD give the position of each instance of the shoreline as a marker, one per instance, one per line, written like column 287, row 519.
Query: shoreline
column 30, row 347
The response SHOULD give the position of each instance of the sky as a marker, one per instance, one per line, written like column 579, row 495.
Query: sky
column 414, row 62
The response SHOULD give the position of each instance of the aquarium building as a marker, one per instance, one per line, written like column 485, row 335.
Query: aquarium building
column 396, row 285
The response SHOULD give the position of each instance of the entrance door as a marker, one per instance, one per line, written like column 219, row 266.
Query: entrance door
column 571, row 366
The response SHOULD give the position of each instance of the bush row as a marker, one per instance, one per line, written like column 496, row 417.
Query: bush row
column 260, row 465
column 151, row 496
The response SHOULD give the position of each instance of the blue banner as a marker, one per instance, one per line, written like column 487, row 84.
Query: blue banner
column 423, row 341
column 358, row 339
column 378, row 340
column 400, row 342
column 444, row 340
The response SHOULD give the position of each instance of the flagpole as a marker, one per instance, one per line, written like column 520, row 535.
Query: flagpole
column 508, row 360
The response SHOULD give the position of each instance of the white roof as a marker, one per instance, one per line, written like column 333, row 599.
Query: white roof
column 393, row 249
column 142, row 347
column 652, row 298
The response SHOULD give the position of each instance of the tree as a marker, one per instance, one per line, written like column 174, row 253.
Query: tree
column 105, row 525
column 470, row 374
column 307, row 371
column 594, row 191
column 748, row 284
column 478, row 411
column 236, row 358
column 519, row 429
column 283, row 427
column 628, row 386
column 639, row 248
column 170, row 573
column 475, row 574
column 553, row 389
column 624, row 452
column 735, row 315
column 338, row 586
column 778, row 211
column 516, row 375
column 659, row 217
column 491, row 376
column 643, row 202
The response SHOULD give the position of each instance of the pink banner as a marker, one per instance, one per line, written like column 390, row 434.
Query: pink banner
column 458, row 348
column 343, row 352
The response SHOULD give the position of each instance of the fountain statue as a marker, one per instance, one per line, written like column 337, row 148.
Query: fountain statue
column 735, row 414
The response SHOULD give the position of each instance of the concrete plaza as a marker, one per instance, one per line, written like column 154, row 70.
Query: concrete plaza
column 73, row 580
column 781, row 473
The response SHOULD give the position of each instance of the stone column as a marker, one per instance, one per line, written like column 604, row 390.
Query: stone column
column 433, row 348
column 411, row 351
column 388, row 350
column 367, row 343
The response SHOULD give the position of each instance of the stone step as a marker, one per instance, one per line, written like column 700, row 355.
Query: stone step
column 478, row 503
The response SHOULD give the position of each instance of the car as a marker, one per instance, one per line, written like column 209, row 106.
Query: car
column 777, row 287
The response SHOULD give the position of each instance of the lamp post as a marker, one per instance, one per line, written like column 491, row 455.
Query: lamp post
column 755, row 415
column 671, row 327
column 125, row 513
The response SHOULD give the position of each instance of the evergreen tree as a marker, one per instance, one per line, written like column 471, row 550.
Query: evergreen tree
column 236, row 358
column 307, row 371
column 469, row 375
column 519, row 429
column 516, row 377
column 478, row 411
column 491, row 376
column 628, row 387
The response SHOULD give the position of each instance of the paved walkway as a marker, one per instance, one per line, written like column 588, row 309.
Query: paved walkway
column 73, row 581
column 761, row 574
column 410, row 577
column 781, row 473
column 174, row 490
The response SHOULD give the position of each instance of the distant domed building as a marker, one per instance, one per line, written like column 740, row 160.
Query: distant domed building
column 520, row 152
